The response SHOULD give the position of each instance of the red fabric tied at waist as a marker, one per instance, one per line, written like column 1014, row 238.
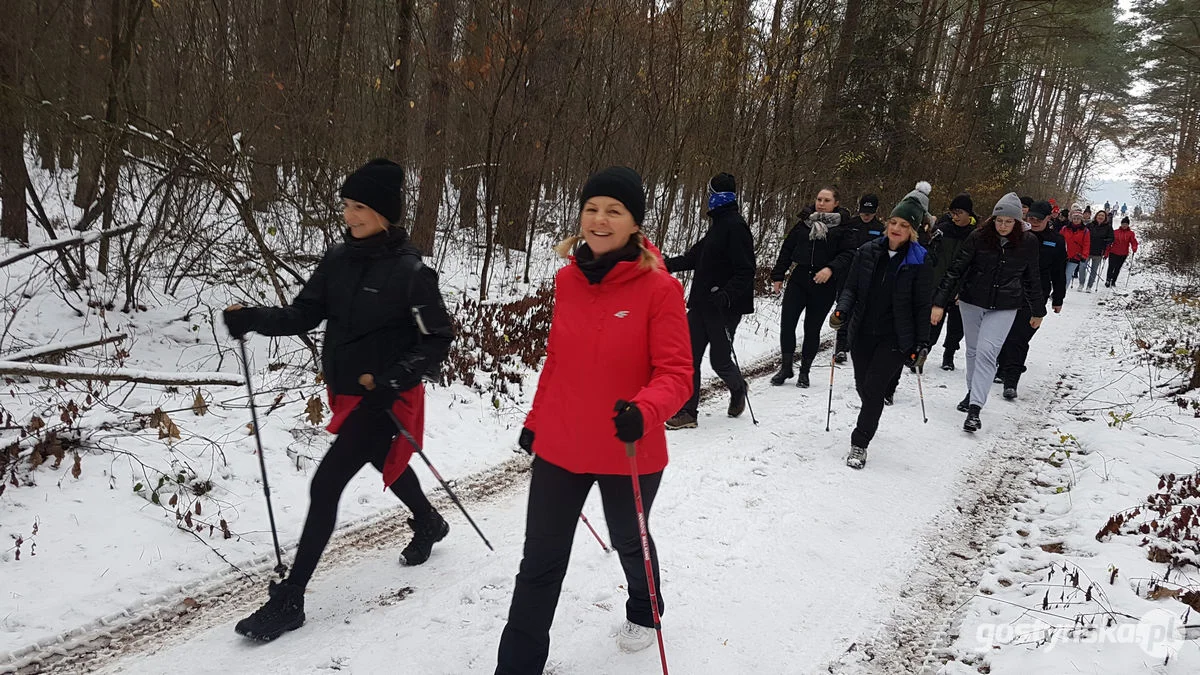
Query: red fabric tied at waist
column 409, row 409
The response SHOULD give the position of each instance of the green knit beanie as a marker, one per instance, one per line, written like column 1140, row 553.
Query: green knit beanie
column 915, row 205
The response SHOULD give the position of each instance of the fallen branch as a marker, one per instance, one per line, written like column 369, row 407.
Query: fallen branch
column 115, row 374
column 77, row 240
column 60, row 348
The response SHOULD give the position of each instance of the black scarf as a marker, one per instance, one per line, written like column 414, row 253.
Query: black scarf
column 595, row 268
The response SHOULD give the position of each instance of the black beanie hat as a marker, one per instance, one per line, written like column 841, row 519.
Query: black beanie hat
column 622, row 184
column 963, row 201
column 722, row 182
column 380, row 185
column 1027, row 201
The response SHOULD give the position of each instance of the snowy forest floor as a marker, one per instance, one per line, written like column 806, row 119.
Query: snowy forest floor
column 776, row 557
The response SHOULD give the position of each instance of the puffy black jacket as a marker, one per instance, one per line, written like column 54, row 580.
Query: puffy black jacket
column 383, row 311
column 1052, row 264
column 994, row 277
column 835, row 251
column 1102, row 236
column 723, row 260
column 911, row 289
column 860, row 232
column 946, row 240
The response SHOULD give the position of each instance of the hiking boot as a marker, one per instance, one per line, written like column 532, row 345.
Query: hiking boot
column 857, row 458
column 681, row 420
column 889, row 399
column 427, row 531
column 839, row 357
column 972, row 423
column 997, row 380
column 635, row 638
column 802, row 379
column 284, row 611
column 737, row 402
column 948, row 359
column 785, row 371
column 1010, row 392
column 965, row 404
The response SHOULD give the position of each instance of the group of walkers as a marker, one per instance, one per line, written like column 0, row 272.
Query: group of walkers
column 624, row 353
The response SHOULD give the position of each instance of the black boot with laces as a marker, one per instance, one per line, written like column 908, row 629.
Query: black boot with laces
column 284, row 611
column 427, row 531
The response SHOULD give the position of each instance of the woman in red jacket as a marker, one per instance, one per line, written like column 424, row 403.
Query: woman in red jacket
column 619, row 338
column 1124, row 243
column 1079, row 246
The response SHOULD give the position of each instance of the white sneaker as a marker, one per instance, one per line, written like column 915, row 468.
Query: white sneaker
column 635, row 638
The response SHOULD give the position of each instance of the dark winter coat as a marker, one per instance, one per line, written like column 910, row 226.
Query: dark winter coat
column 384, row 314
column 1102, row 237
column 810, row 256
column 910, row 285
column 625, row 337
column 994, row 277
column 723, row 261
column 945, row 243
column 1052, row 264
column 1079, row 241
column 860, row 233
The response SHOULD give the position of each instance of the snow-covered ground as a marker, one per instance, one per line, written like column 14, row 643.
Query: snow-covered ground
column 776, row 558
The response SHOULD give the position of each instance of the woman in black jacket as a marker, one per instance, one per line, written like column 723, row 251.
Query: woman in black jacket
column 994, row 274
column 385, row 329
column 820, row 248
column 886, row 304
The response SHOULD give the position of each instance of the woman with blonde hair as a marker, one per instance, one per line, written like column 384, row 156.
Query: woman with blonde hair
column 618, row 343
column 886, row 302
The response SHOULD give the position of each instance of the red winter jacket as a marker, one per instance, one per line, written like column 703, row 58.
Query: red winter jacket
column 1124, row 240
column 1079, row 242
column 409, row 410
column 623, row 338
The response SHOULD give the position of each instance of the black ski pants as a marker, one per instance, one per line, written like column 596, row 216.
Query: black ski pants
column 813, row 300
column 877, row 364
column 1115, row 263
column 365, row 438
column 712, row 331
column 1011, row 362
column 952, row 320
column 556, row 497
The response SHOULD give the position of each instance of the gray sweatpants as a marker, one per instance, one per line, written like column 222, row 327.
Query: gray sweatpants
column 985, row 330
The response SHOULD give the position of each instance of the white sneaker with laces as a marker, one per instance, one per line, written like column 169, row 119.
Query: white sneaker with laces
column 635, row 638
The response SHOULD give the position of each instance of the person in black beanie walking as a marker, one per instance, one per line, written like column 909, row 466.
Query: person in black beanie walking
column 949, row 234
column 885, row 305
column 1052, row 271
column 386, row 329
column 863, row 227
column 819, row 249
column 722, row 292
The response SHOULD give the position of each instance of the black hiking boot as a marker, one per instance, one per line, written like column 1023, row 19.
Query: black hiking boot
column 948, row 359
column 965, row 404
column 972, row 423
column 1010, row 392
column 427, row 531
column 737, row 402
column 840, row 357
column 889, row 399
column 785, row 371
column 802, row 374
column 857, row 458
column 284, row 611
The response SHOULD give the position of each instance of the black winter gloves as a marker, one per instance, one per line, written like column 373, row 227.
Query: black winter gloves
column 916, row 358
column 239, row 321
column 836, row 319
column 628, row 421
column 525, row 442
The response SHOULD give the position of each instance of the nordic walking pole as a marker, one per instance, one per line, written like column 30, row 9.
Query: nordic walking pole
column 921, row 391
column 738, row 365
column 438, row 476
column 631, row 452
column 832, row 365
column 280, row 568
column 595, row 533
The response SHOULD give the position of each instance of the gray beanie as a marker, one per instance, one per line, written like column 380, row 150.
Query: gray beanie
column 1009, row 205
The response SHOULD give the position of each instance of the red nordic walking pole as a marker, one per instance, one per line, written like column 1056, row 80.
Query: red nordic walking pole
column 631, row 452
column 595, row 534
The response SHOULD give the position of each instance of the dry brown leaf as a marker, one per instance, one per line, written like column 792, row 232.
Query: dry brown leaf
column 199, row 405
column 315, row 410
column 36, row 423
column 76, row 468
column 1162, row 592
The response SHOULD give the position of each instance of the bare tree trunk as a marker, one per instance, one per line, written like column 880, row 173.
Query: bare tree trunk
column 433, row 161
column 13, row 221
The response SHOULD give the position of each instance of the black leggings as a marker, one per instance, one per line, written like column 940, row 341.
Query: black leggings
column 803, row 295
column 556, row 497
column 877, row 366
column 1115, row 263
column 364, row 439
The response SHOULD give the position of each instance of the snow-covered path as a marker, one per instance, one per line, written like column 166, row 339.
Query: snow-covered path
column 776, row 557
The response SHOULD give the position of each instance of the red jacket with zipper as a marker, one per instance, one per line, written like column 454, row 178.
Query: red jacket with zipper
column 623, row 338
column 1124, row 240
column 1079, row 242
